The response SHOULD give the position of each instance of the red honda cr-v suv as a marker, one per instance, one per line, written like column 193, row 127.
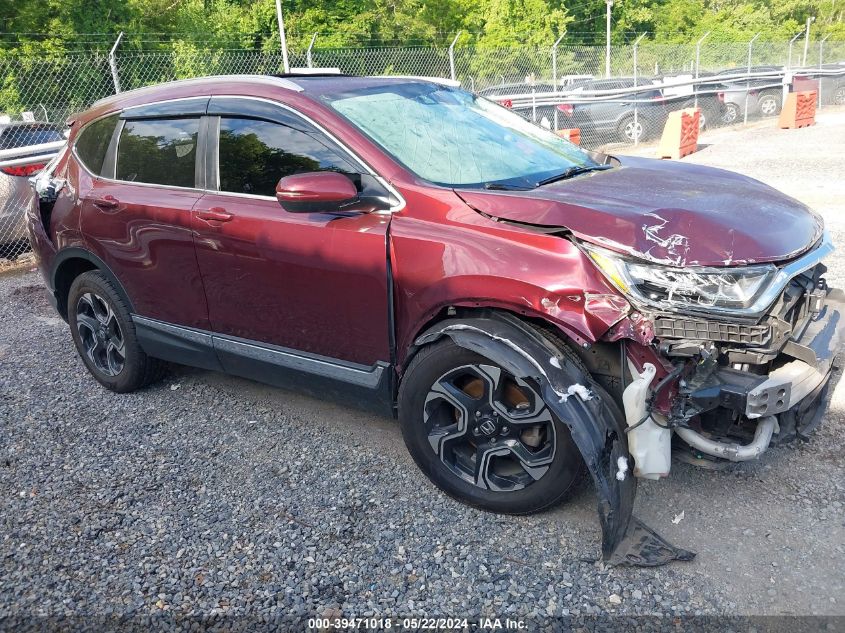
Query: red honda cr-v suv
column 527, row 307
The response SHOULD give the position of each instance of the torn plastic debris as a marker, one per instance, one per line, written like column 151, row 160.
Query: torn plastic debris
column 576, row 390
column 526, row 353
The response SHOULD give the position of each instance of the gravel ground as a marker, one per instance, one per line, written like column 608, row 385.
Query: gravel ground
column 209, row 496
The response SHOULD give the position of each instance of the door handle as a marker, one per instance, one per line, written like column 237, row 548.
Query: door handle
column 106, row 202
column 215, row 214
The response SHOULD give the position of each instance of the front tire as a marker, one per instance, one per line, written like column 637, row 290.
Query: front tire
column 731, row 114
column 483, row 436
column 104, row 335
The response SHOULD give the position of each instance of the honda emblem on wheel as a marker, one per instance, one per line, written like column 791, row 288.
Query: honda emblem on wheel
column 488, row 427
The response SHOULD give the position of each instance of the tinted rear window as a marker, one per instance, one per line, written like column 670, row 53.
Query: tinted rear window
column 93, row 142
column 25, row 135
column 158, row 151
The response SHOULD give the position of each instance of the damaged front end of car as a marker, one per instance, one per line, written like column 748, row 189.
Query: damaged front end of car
column 710, row 364
column 752, row 348
column 722, row 334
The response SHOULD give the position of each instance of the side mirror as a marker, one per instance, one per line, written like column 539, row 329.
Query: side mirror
column 315, row 192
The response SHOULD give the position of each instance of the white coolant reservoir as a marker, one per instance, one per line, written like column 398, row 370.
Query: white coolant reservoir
column 649, row 444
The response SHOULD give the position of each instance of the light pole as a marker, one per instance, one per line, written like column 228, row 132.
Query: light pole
column 282, row 39
column 698, row 63
column 810, row 20
column 609, row 4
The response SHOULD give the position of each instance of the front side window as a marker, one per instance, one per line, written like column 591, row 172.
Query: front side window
column 451, row 137
column 158, row 151
column 254, row 155
column 93, row 143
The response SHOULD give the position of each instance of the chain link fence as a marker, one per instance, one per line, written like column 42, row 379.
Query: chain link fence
column 564, row 86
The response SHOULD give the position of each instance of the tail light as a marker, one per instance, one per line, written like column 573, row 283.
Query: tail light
column 659, row 99
column 23, row 170
column 753, row 93
column 507, row 103
column 567, row 108
column 720, row 96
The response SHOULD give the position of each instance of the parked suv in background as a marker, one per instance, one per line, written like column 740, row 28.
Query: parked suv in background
column 27, row 139
column 613, row 117
column 512, row 297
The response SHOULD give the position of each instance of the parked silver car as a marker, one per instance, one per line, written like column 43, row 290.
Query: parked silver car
column 33, row 140
column 762, row 96
column 765, row 95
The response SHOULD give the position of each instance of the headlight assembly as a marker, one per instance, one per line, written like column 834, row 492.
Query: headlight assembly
column 731, row 289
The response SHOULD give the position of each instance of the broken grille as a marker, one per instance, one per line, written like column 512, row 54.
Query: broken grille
column 703, row 330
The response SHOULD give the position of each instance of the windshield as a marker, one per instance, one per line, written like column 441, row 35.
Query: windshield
column 451, row 137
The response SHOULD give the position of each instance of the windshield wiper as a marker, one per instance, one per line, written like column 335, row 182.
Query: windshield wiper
column 573, row 171
column 500, row 186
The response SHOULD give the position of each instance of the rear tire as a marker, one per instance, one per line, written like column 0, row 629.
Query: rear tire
column 104, row 335
column 448, row 442
column 627, row 132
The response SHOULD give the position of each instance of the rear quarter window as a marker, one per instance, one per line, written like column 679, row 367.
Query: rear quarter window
column 93, row 143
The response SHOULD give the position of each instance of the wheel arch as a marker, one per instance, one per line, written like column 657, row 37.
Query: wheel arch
column 72, row 262
column 463, row 311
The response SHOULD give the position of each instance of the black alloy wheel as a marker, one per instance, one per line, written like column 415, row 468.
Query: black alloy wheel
column 100, row 334
column 104, row 334
column 484, row 436
column 488, row 428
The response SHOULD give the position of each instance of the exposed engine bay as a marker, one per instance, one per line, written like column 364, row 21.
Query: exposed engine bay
column 724, row 389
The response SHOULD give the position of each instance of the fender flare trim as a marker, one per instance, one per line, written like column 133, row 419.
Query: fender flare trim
column 75, row 252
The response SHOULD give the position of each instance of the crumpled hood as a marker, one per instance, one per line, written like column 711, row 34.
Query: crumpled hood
column 667, row 212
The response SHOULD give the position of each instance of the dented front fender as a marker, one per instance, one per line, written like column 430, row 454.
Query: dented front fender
column 572, row 395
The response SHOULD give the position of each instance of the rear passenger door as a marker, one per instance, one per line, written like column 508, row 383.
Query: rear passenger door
column 137, row 215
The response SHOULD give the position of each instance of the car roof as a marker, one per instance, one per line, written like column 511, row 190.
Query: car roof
column 309, row 84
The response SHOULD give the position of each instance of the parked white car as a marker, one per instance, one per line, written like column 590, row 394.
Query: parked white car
column 25, row 147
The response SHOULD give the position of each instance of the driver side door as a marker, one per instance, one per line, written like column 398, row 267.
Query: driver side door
column 312, row 282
